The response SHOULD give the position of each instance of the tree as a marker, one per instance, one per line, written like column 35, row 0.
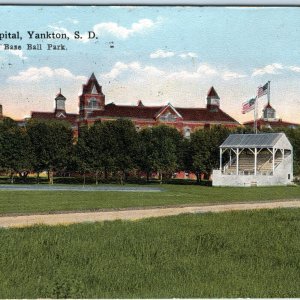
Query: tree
column 52, row 143
column 160, row 150
column 16, row 155
column 82, row 154
column 293, row 135
column 205, row 149
column 126, row 151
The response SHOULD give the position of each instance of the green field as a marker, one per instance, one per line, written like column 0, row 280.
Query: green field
column 236, row 254
column 50, row 201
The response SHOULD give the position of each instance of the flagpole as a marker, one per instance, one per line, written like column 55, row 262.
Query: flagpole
column 269, row 91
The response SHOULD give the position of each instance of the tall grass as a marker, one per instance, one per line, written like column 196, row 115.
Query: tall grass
column 50, row 201
column 237, row 254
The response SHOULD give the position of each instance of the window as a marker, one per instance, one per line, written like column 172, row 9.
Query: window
column 187, row 133
column 93, row 103
column 168, row 117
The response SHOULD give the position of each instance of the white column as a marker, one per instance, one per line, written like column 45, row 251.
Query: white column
column 255, row 160
column 283, row 154
column 221, row 152
column 230, row 158
column 237, row 161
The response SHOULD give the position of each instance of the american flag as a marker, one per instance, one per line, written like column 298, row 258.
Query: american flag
column 248, row 105
column 263, row 90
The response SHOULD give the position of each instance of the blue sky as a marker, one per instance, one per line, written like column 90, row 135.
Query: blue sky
column 160, row 55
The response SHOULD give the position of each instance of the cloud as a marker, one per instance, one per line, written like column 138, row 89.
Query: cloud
column 294, row 69
column 18, row 53
column 269, row 69
column 161, row 54
column 274, row 69
column 228, row 75
column 123, row 32
column 58, row 29
column 203, row 71
column 109, row 28
column 33, row 74
column 120, row 67
column 188, row 55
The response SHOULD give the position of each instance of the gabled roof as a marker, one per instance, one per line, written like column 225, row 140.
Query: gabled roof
column 212, row 93
column 261, row 140
column 91, row 84
column 164, row 108
column 150, row 113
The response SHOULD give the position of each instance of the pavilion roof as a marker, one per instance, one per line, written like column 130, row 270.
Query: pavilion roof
column 260, row 140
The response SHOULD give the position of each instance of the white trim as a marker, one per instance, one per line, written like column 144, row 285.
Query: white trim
column 169, row 105
column 61, row 114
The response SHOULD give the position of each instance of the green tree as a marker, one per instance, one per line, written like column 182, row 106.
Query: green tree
column 160, row 150
column 126, row 150
column 52, row 145
column 16, row 155
column 293, row 135
column 205, row 149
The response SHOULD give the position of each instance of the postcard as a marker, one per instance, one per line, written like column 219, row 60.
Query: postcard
column 169, row 134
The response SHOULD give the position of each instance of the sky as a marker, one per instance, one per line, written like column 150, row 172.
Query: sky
column 159, row 55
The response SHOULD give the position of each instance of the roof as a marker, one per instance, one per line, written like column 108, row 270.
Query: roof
column 71, row 118
column 60, row 96
column 88, row 87
column 149, row 112
column 272, row 123
column 261, row 140
column 268, row 106
column 212, row 93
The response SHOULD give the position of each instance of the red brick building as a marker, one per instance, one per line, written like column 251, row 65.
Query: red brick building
column 59, row 113
column 92, row 108
column 269, row 120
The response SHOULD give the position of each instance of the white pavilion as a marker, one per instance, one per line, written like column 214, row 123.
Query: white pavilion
column 255, row 160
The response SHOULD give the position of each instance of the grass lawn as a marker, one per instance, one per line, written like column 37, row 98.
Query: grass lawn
column 234, row 254
column 50, row 201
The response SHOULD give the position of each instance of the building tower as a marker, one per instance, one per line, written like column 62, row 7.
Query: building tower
column 92, row 98
column 213, row 100
column 60, row 106
column 269, row 113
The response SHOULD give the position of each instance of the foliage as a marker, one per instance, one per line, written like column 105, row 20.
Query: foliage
column 52, row 143
column 160, row 150
column 293, row 135
column 16, row 155
column 205, row 148
column 252, row 254
column 114, row 149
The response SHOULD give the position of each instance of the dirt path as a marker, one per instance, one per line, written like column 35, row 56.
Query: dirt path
column 69, row 218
